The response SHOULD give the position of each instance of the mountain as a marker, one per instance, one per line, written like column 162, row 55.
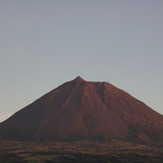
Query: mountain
column 80, row 109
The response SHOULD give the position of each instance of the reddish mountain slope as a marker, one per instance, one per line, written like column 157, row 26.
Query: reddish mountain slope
column 79, row 109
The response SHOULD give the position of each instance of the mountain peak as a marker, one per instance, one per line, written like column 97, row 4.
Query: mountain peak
column 79, row 79
column 81, row 110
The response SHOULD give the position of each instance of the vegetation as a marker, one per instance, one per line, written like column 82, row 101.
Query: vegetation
column 79, row 151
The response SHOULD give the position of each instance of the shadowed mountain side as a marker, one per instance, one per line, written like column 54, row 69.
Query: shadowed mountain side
column 85, row 110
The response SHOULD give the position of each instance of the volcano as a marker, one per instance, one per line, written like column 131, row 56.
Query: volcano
column 79, row 110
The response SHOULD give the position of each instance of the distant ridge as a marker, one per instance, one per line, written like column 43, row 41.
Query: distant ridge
column 81, row 109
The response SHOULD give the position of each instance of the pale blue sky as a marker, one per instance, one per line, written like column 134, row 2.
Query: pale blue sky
column 44, row 43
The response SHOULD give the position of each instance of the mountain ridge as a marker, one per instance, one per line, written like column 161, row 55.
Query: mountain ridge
column 80, row 109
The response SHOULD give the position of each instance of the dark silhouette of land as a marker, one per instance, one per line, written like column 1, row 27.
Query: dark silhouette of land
column 114, row 151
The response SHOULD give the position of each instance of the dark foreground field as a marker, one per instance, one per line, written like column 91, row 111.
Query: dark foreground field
column 79, row 151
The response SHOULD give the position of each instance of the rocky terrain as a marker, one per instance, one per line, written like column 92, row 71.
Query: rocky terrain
column 79, row 110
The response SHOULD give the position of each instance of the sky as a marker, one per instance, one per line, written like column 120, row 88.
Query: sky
column 44, row 43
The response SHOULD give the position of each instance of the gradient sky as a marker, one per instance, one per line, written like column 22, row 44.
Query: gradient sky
column 44, row 43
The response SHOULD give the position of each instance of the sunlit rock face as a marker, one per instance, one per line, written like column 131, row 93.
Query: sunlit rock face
column 80, row 109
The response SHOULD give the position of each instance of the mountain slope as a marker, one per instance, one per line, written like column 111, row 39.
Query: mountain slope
column 80, row 110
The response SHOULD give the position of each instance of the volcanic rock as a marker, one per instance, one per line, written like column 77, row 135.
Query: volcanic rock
column 80, row 109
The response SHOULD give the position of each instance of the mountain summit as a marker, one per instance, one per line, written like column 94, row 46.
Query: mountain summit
column 80, row 109
column 79, row 79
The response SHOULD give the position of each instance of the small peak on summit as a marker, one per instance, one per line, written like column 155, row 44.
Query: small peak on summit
column 79, row 79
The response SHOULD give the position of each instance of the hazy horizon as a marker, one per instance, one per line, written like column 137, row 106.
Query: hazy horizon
column 46, row 43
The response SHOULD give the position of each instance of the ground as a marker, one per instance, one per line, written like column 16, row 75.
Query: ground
column 80, row 151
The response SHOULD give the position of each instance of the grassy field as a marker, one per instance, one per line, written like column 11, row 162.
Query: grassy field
column 79, row 151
